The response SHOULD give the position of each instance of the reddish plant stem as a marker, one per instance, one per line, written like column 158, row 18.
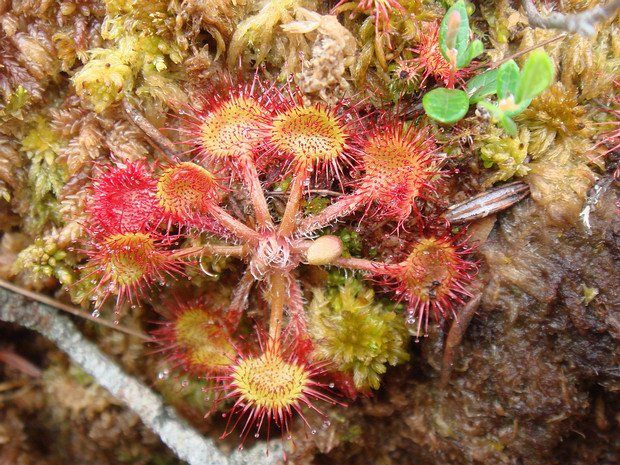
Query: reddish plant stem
column 236, row 227
column 252, row 182
column 342, row 207
column 296, row 309
column 360, row 264
column 278, row 295
column 239, row 301
column 294, row 202
column 237, row 251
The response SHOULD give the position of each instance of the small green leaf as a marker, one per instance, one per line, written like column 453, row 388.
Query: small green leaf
column 482, row 85
column 507, row 80
column 475, row 49
column 457, row 33
column 536, row 76
column 508, row 124
column 446, row 105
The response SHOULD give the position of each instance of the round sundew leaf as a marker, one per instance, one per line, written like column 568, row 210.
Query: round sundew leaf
column 185, row 188
column 395, row 162
column 205, row 340
column 233, row 129
column 124, row 199
column 129, row 258
column 309, row 134
column 446, row 105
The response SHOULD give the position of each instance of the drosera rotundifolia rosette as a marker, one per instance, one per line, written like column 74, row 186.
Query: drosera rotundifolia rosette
column 248, row 141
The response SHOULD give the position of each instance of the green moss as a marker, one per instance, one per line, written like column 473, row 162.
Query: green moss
column 505, row 153
column 46, row 177
column 42, row 260
column 351, row 241
column 360, row 335
column 144, row 43
column 14, row 107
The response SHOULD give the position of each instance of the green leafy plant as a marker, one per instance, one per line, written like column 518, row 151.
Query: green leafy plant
column 449, row 105
column 516, row 88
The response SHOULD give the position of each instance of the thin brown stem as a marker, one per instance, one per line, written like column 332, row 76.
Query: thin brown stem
column 70, row 309
column 497, row 64
column 160, row 142
column 323, row 192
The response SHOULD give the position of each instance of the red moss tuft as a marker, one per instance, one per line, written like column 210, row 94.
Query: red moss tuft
column 381, row 9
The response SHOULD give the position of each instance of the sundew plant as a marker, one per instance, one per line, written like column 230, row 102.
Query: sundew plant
column 249, row 139
column 305, row 209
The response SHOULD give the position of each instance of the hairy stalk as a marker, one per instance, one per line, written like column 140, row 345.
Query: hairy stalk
column 240, row 230
column 342, row 207
column 278, row 295
column 295, row 305
column 287, row 226
column 252, row 182
column 237, row 251
column 360, row 264
column 239, row 301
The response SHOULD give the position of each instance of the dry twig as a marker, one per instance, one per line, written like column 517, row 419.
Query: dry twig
column 582, row 23
column 161, row 418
